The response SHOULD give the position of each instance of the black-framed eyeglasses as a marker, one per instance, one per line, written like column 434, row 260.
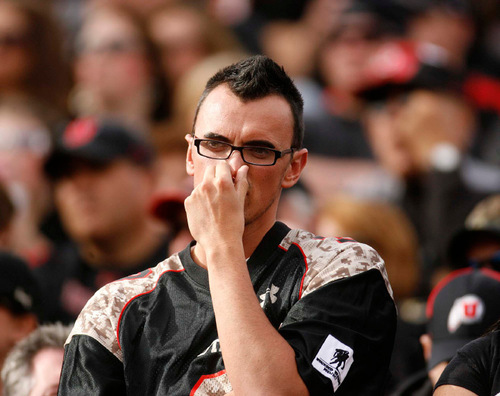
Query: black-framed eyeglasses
column 261, row 156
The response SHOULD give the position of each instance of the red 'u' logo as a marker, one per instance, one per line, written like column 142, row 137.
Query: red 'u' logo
column 470, row 310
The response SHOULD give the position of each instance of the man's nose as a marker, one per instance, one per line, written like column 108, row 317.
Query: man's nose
column 235, row 161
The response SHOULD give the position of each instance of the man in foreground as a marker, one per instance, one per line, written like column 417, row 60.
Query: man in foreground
column 250, row 307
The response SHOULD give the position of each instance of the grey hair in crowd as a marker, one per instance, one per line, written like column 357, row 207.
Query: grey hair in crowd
column 16, row 373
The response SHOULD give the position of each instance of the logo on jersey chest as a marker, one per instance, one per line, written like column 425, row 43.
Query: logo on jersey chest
column 272, row 293
column 214, row 347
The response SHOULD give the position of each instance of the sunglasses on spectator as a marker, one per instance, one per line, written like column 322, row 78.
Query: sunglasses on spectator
column 492, row 262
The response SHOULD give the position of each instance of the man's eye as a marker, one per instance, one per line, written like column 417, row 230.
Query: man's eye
column 215, row 145
column 258, row 152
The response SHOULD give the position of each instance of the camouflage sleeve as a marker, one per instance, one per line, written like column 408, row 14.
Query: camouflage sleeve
column 92, row 359
column 93, row 362
column 342, row 328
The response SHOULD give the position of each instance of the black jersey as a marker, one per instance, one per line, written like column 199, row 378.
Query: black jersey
column 154, row 333
column 476, row 366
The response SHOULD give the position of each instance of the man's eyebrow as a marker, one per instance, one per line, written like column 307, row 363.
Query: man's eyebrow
column 253, row 143
column 216, row 136
column 260, row 143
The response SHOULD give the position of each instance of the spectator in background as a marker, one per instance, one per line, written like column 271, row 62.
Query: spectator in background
column 454, row 28
column 103, row 182
column 33, row 62
column 33, row 367
column 477, row 244
column 342, row 58
column 446, row 24
column 117, row 70
column 185, row 35
column 336, row 138
column 25, row 142
column 386, row 227
column 483, row 82
column 20, row 302
column 420, row 128
column 460, row 308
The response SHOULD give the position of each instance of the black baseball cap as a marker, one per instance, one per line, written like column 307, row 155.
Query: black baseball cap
column 19, row 289
column 98, row 141
column 461, row 308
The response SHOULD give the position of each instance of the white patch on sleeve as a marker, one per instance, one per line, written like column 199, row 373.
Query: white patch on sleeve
column 334, row 359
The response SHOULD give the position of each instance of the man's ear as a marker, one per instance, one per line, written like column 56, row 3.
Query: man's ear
column 189, row 155
column 426, row 343
column 295, row 168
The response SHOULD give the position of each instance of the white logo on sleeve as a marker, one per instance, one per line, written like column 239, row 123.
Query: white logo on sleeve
column 334, row 359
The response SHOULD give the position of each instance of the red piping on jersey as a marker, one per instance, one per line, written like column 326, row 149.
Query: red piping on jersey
column 133, row 298
column 305, row 272
column 305, row 262
column 203, row 378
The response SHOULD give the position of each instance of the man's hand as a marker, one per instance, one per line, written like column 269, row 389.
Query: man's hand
column 215, row 208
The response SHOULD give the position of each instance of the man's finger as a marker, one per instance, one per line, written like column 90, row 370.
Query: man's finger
column 209, row 173
column 241, row 182
column 223, row 171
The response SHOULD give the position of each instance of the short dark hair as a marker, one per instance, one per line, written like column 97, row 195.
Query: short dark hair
column 257, row 77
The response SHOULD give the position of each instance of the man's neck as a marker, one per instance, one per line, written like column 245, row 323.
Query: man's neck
column 252, row 236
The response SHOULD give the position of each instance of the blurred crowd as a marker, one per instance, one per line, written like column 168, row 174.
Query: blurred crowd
column 402, row 117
